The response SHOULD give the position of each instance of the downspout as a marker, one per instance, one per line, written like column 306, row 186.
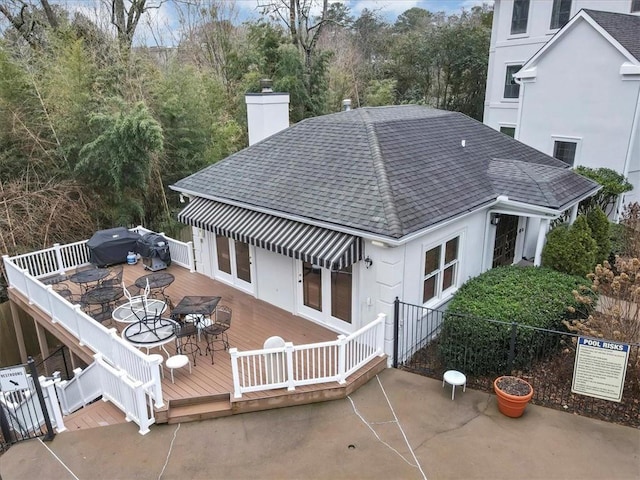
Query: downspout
column 633, row 138
column 516, row 135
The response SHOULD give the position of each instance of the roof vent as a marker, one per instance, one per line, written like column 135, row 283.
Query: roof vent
column 265, row 85
column 463, row 143
column 346, row 104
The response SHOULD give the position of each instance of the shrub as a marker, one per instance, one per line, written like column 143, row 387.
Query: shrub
column 571, row 249
column 613, row 185
column 631, row 238
column 617, row 239
column 599, row 225
column 473, row 340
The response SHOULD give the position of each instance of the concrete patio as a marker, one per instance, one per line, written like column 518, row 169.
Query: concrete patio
column 398, row 425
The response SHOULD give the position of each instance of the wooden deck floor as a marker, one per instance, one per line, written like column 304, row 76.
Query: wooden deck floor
column 253, row 321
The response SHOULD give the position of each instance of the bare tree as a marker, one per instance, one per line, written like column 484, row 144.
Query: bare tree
column 302, row 21
column 28, row 19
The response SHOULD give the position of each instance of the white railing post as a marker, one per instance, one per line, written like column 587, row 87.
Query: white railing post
column 380, row 334
column 342, row 358
column 157, row 382
column 192, row 257
column 53, row 407
column 144, row 421
column 288, row 350
column 58, row 254
column 78, row 321
column 233, row 352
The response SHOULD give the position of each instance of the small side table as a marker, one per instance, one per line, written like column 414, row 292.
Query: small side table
column 455, row 379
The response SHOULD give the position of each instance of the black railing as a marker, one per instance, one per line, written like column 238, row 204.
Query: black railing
column 58, row 361
column 429, row 344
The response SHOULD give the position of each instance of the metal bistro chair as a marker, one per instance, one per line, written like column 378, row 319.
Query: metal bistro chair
column 217, row 331
column 186, row 340
column 114, row 279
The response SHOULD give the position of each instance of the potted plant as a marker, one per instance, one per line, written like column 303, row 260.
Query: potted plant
column 513, row 394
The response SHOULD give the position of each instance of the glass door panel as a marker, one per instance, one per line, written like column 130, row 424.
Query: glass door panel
column 224, row 255
column 341, row 289
column 243, row 261
column 312, row 286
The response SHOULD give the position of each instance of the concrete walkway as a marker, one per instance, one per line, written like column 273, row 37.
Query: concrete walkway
column 398, row 426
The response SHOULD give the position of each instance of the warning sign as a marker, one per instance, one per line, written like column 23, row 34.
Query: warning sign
column 13, row 378
column 600, row 368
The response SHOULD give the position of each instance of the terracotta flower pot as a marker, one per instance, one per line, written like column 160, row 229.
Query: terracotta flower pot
column 513, row 395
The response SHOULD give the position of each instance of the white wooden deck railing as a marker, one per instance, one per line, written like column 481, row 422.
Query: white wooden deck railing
column 295, row 365
column 23, row 272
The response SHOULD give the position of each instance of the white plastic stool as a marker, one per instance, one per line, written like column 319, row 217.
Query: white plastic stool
column 177, row 361
column 454, row 378
column 160, row 359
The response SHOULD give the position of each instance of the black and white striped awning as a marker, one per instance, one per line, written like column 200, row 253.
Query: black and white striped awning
column 317, row 245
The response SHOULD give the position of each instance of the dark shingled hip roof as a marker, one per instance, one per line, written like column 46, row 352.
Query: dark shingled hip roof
column 388, row 171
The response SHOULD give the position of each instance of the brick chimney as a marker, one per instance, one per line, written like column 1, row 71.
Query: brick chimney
column 267, row 112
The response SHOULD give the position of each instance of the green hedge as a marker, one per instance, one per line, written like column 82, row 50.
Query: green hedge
column 533, row 296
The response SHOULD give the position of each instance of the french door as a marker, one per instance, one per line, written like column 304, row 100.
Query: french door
column 234, row 263
column 327, row 295
column 504, row 249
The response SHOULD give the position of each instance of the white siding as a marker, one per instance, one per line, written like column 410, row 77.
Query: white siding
column 581, row 96
column 275, row 279
column 506, row 48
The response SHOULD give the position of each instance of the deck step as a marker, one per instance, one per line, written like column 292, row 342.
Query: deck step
column 199, row 408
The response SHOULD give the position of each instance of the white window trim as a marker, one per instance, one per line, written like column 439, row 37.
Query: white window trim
column 567, row 138
column 503, row 98
column 553, row 31
column 441, row 295
column 524, row 34
column 507, row 125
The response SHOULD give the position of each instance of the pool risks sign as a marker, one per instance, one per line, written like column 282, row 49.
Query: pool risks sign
column 600, row 368
column 13, row 378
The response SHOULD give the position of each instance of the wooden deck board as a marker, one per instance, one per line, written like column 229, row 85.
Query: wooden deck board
column 253, row 321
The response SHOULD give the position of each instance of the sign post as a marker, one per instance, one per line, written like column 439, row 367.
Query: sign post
column 600, row 368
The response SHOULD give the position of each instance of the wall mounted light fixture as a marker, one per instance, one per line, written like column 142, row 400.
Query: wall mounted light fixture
column 368, row 262
column 495, row 219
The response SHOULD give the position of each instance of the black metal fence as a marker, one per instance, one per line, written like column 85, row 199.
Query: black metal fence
column 23, row 412
column 427, row 346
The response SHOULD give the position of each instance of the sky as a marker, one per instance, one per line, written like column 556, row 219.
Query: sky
column 167, row 18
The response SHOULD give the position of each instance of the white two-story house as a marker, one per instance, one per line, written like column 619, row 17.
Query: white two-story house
column 563, row 79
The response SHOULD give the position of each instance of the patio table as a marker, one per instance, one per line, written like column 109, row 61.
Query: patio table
column 102, row 296
column 195, row 309
column 151, row 334
column 157, row 281
column 127, row 313
column 85, row 278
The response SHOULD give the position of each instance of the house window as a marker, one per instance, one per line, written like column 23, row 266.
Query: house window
column 635, row 6
column 511, row 88
column 519, row 16
column 440, row 269
column 510, row 131
column 560, row 13
column 565, row 151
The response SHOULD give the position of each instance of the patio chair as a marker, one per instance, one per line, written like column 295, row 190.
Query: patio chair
column 65, row 292
column 137, row 302
column 114, row 279
column 217, row 330
column 186, row 340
